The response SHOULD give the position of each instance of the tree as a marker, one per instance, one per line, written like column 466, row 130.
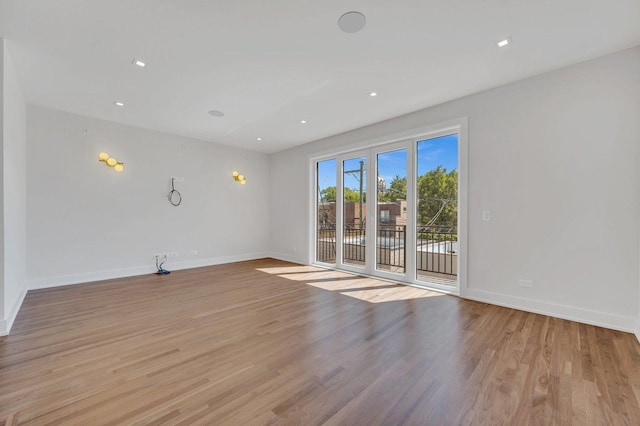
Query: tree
column 328, row 195
column 438, row 197
column 353, row 196
column 397, row 190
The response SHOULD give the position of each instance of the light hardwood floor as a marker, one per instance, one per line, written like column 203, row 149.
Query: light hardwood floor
column 269, row 342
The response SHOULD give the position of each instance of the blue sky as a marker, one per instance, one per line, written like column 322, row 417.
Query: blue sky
column 431, row 154
column 438, row 151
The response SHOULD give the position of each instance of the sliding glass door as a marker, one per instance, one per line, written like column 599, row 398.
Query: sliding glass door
column 392, row 193
column 437, row 210
column 353, row 209
column 325, row 211
column 392, row 211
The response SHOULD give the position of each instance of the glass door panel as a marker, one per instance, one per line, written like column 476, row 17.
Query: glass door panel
column 326, row 211
column 354, row 211
column 391, row 211
column 410, row 232
column 437, row 210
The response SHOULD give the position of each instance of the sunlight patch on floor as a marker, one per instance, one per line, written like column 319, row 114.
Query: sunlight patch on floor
column 317, row 276
column 363, row 288
column 400, row 292
column 277, row 270
column 346, row 284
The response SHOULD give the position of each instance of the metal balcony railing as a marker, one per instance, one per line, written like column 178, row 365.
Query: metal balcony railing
column 436, row 246
column 437, row 249
column 390, row 247
column 326, row 243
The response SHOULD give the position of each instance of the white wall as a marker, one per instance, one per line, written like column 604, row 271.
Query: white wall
column 555, row 158
column 288, row 205
column 3, row 323
column 86, row 222
column 3, row 17
column 13, row 192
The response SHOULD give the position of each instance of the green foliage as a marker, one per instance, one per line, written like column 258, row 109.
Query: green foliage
column 353, row 196
column 328, row 195
column 436, row 236
column 435, row 188
column 397, row 190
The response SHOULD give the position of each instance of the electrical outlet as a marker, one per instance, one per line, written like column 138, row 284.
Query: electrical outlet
column 174, row 254
column 194, row 252
column 526, row 283
column 156, row 255
column 486, row 215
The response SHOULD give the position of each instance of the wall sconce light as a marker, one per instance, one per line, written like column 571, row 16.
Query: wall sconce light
column 238, row 177
column 111, row 162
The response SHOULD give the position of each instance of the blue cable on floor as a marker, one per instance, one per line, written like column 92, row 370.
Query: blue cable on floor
column 161, row 270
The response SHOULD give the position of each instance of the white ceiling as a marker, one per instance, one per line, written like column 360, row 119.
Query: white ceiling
column 267, row 64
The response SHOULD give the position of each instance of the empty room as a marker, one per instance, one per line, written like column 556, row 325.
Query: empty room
column 412, row 212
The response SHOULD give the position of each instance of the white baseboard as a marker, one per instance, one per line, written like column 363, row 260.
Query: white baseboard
column 86, row 277
column 60, row 280
column 199, row 263
column 5, row 325
column 287, row 258
column 601, row 319
column 616, row 322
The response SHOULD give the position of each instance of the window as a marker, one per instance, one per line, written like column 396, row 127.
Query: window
column 384, row 216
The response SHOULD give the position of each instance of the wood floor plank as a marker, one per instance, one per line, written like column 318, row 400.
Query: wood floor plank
column 270, row 342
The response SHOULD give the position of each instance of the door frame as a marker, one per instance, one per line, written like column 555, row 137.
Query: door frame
column 340, row 264
column 459, row 126
column 407, row 145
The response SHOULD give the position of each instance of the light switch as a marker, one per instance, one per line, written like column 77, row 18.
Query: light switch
column 486, row 215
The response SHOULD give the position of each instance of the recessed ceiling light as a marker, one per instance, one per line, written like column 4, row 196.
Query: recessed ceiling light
column 216, row 113
column 352, row 22
column 503, row 43
column 117, row 103
column 139, row 63
column 259, row 139
column 303, row 121
column 372, row 94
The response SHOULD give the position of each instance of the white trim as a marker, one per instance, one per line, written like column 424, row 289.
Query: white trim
column 340, row 263
column 312, row 201
column 5, row 325
column 600, row 319
column 612, row 321
column 287, row 258
column 428, row 131
column 86, row 277
column 409, row 146
column 310, row 198
column 463, row 204
column 406, row 139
